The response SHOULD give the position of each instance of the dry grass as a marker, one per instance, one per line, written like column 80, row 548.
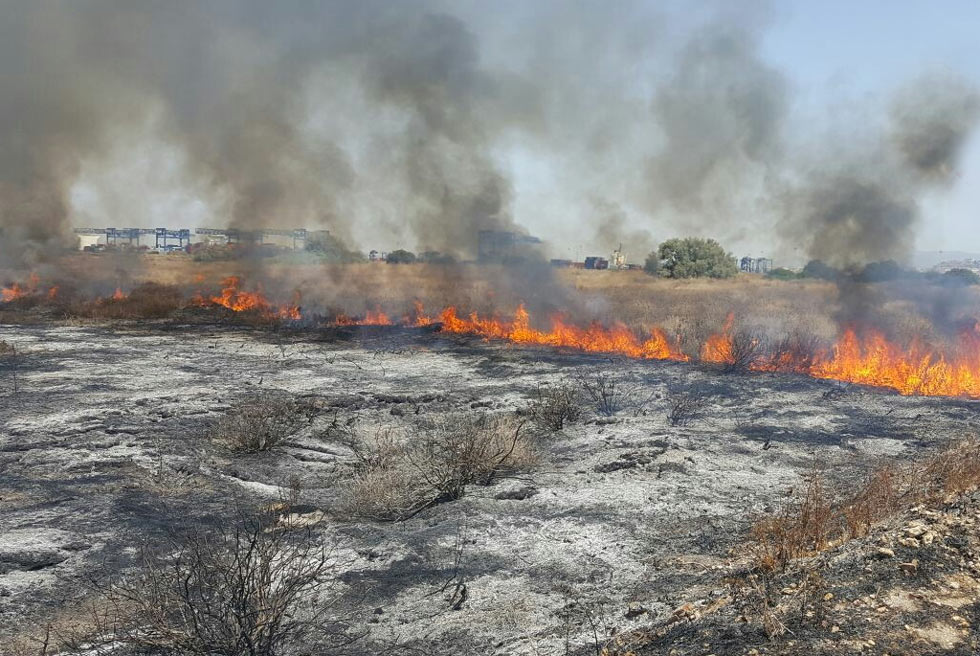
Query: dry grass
column 434, row 462
column 817, row 519
column 148, row 300
column 256, row 425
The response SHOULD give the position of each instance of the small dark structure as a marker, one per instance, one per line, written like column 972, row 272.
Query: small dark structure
column 503, row 245
column 595, row 262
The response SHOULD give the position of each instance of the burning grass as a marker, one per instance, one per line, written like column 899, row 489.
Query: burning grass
column 780, row 327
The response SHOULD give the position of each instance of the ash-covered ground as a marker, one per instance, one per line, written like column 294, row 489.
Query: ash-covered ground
column 104, row 444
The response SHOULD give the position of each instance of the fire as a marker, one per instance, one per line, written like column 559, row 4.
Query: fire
column 864, row 357
column 235, row 298
column 873, row 360
column 18, row 290
column 718, row 348
column 595, row 339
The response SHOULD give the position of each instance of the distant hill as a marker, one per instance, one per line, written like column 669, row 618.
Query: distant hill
column 929, row 259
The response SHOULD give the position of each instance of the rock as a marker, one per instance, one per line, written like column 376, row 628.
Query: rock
column 519, row 494
column 928, row 537
column 910, row 567
column 884, row 552
column 635, row 610
column 912, row 543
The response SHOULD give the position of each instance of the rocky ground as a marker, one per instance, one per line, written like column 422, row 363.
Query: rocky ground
column 624, row 531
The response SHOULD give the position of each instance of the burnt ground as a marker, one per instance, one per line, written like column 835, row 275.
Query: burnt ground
column 103, row 444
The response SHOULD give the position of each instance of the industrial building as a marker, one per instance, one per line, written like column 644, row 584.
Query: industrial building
column 755, row 264
column 167, row 240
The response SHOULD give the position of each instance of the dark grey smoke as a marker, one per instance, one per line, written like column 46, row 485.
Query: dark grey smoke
column 860, row 202
column 721, row 113
column 401, row 119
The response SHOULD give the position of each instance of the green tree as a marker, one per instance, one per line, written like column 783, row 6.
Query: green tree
column 817, row 269
column 781, row 273
column 652, row 263
column 961, row 277
column 693, row 257
column 401, row 256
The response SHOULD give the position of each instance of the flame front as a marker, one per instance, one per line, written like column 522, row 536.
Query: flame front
column 867, row 357
column 18, row 290
column 235, row 298
column 595, row 339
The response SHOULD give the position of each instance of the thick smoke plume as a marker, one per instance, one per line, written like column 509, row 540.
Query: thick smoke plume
column 861, row 203
column 413, row 123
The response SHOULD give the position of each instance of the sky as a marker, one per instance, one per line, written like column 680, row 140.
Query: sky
column 836, row 51
column 838, row 60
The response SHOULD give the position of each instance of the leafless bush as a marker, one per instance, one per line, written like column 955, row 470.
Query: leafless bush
column 556, row 405
column 454, row 452
column 682, row 409
column 611, row 393
column 795, row 352
column 435, row 462
column 10, row 362
column 258, row 424
column 745, row 351
column 257, row 588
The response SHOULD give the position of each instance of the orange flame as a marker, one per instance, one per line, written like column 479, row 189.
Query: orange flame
column 18, row 290
column 118, row 295
column 718, row 349
column 235, row 298
column 595, row 339
column 917, row 369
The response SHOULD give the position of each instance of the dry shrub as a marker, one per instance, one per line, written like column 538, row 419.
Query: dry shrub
column 682, row 409
column 954, row 471
column 451, row 453
column 556, row 405
column 256, row 588
column 435, row 461
column 746, row 349
column 6, row 348
column 149, row 300
column 257, row 424
column 385, row 485
column 814, row 521
column 803, row 527
column 879, row 498
column 610, row 393
column 795, row 351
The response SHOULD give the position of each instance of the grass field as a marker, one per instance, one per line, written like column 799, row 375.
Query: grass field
column 692, row 309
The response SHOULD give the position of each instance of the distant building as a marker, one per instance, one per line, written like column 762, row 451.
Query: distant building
column 755, row 264
column 595, row 262
column 500, row 245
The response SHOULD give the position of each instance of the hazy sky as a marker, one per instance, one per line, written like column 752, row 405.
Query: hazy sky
column 841, row 63
column 842, row 53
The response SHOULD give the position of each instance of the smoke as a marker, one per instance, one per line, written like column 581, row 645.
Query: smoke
column 861, row 202
column 406, row 123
